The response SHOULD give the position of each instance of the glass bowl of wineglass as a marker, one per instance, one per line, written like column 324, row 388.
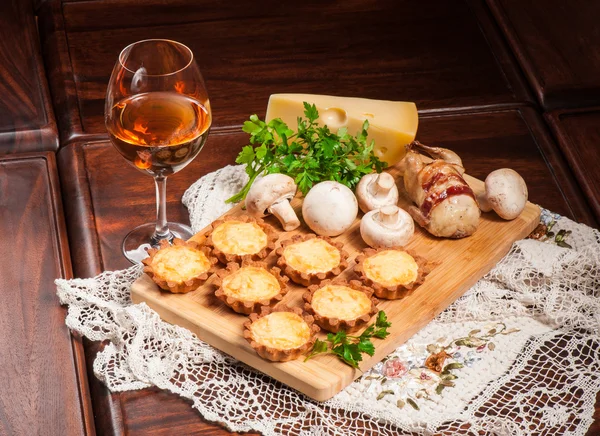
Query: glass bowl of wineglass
column 157, row 114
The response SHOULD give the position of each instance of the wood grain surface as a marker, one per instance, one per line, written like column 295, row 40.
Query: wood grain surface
column 463, row 56
column 557, row 47
column 460, row 263
column 485, row 141
column 26, row 116
column 100, row 188
column 43, row 389
column 448, row 55
column 578, row 135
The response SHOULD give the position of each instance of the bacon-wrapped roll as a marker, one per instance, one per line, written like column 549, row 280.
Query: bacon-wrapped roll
column 446, row 204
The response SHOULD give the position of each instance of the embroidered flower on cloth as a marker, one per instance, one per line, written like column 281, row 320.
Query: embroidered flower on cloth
column 435, row 362
column 414, row 373
column 543, row 232
column 394, row 368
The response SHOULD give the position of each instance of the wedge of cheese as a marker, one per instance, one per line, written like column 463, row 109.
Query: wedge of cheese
column 392, row 124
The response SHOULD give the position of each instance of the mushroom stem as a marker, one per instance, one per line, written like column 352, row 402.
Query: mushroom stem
column 484, row 204
column 481, row 196
column 285, row 214
column 388, row 215
column 375, row 191
column 381, row 185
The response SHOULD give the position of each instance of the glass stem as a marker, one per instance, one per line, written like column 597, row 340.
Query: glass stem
column 162, row 228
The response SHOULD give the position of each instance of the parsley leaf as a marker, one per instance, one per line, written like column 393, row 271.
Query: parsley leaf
column 246, row 156
column 338, row 338
column 309, row 155
column 351, row 348
column 366, row 346
column 381, row 326
column 310, row 112
column 318, row 347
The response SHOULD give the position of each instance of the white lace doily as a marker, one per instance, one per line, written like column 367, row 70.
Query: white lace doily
column 518, row 353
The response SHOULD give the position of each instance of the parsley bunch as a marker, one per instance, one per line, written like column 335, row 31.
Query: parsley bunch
column 309, row 155
column 350, row 348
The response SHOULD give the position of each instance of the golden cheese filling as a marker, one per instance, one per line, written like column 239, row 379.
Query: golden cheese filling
column 391, row 268
column 251, row 283
column 237, row 237
column 342, row 302
column 312, row 256
column 281, row 330
column 179, row 263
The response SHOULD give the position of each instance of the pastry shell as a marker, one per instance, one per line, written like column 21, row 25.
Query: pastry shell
column 308, row 279
column 248, row 306
column 225, row 258
column 392, row 292
column 276, row 354
column 173, row 286
column 335, row 324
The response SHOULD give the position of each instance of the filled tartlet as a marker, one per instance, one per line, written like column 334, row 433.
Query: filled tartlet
column 340, row 305
column 180, row 267
column 309, row 259
column 392, row 273
column 280, row 334
column 239, row 238
column 248, row 287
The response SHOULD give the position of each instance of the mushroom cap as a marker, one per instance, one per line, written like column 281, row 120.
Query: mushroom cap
column 389, row 226
column 506, row 192
column 268, row 190
column 376, row 190
column 329, row 208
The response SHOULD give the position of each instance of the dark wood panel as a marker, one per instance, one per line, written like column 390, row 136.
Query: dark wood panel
column 26, row 117
column 445, row 56
column 37, row 4
column 557, row 43
column 108, row 189
column 44, row 386
column 95, row 249
column 99, row 185
column 578, row 134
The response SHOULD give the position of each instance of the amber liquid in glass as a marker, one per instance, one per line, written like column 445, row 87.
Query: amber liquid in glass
column 159, row 132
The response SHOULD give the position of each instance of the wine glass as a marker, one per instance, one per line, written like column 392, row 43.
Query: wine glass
column 157, row 114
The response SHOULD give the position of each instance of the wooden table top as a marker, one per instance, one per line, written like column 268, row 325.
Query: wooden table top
column 578, row 134
column 557, row 47
column 482, row 73
column 26, row 117
column 106, row 188
column 44, row 385
column 393, row 50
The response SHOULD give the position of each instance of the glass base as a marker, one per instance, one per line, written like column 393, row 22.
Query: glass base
column 140, row 239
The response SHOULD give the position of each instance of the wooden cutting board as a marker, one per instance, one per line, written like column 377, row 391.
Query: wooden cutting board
column 461, row 263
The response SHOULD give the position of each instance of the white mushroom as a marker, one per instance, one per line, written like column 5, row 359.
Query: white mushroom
column 329, row 208
column 272, row 195
column 389, row 226
column 375, row 191
column 505, row 193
